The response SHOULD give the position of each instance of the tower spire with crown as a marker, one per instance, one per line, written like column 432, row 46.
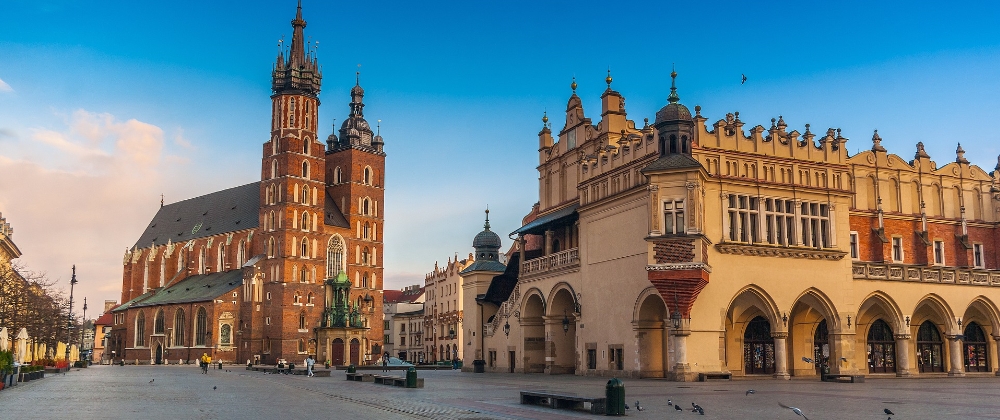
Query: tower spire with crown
column 673, row 98
column 297, row 55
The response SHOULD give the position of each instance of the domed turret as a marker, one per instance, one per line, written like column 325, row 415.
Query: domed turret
column 487, row 238
column 674, row 110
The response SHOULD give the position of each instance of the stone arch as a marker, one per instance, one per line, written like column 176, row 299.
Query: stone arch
column 878, row 305
column 532, row 325
column 551, row 303
column 938, row 311
column 528, row 310
column 982, row 310
column 751, row 296
column 812, row 311
column 641, row 299
column 822, row 303
column 649, row 321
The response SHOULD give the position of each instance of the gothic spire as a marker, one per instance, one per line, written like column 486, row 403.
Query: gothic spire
column 673, row 98
column 297, row 55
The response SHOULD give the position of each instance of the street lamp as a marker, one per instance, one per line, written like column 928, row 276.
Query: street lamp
column 506, row 328
column 675, row 319
column 69, row 322
column 565, row 322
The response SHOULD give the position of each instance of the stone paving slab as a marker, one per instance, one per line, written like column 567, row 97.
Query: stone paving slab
column 181, row 392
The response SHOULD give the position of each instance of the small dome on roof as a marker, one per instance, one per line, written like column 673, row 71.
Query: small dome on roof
column 486, row 238
column 673, row 111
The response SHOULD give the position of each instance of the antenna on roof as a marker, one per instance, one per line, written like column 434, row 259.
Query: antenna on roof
column 161, row 200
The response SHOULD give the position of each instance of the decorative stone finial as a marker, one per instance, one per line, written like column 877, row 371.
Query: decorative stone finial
column 573, row 85
column 960, row 152
column 608, row 79
column 877, row 143
column 487, row 224
column 697, row 110
column 781, row 122
column 921, row 153
column 545, row 117
column 807, row 129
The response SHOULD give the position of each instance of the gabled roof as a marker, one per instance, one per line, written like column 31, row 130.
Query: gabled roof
column 105, row 319
column 220, row 212
column 333, row 216
column 402, row 296
column 197, row 288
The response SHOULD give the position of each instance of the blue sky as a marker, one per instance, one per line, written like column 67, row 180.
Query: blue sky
column 106, row 105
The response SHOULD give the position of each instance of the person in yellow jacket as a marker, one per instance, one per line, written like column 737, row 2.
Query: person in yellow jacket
column 205, row 361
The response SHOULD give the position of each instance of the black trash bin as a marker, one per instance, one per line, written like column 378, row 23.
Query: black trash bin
column 411, row 377
column 614, row 394
column 478, row 366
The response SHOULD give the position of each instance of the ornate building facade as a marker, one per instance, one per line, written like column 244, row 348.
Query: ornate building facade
column 688, row 246
column 250, row 273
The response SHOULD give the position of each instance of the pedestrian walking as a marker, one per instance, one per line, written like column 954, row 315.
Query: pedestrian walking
column 385, row 362
column 205, row 361
column 309, row 366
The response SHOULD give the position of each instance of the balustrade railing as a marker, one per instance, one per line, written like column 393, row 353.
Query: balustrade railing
column 925, row 274
column 551, row 262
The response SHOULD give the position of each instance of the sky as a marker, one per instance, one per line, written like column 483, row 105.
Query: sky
column 106, row 105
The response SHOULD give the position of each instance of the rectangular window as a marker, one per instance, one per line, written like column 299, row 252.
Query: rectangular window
column 977, row 252
column 402, row 341
column 897, row 249
column 267, row 321
column 855, row 247
column 938, row 252
column 815, row 220
column 744, row 219
column 673, row 217
column 591, row 358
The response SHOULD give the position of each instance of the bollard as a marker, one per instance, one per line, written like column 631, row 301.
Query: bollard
column 122, row 363
column 220, row 365
column 411, row 377
column 614, row 393
column 351, row 368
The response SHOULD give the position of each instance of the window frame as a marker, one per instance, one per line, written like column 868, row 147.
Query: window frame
column 940, row 259
column 898, row 252
column 673, row 213
column 855, row 245
column 978, row 256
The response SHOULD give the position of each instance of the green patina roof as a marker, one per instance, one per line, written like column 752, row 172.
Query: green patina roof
column 128, row 304
column 198, row 288
column 341, row 278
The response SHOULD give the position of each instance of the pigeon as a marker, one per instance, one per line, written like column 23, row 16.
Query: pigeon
column 637, row 406
column 795, row 410
column 807, row 360
column 669, row 402
column 678, row 408
column 744, row 79
column 213, row 388
column 750, row 391
column 888, row 411
column 151, row 381
column 627, row 407
column 701, row 411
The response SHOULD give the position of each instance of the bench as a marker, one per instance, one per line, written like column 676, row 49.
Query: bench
column 721, row 376
column 395, row 380
column 361, row 377
column 564, row 401
column 832, row 377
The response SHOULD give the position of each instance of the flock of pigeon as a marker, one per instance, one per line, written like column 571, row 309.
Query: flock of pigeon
column 695, row 408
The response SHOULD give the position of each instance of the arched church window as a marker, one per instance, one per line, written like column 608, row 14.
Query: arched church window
column 368, row 229
column 158, row 323
column 140, row 330
column 201, row 261
column 365, row 255
column 310, row 299
column 241, row 252
column 881, row 348
column 305, row 169
column 305, row 142
column 338, row 175
column 302, row 326
column 367, row 175
column 270, row 248
column 365, row 206
column 179, row 328
column 305, row 221
column 305, row 194
column 201, row 327
column 305, row 248
column 334, row 257
column 274, row 169
column 221, row 258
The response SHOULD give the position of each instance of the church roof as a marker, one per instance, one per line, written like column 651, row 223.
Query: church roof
column 333, row 216
column 485, row 265
column 197, row 288
column 220, row 212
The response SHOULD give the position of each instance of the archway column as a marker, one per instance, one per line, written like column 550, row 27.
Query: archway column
column 902, row 355
column 842, row 354
column 997, row 359
column 681, row 369
column 955, row 355
column 780, row 355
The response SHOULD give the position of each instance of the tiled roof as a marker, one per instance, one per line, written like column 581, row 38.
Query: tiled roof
column 485, row 265
column 503, row 285
column 128, row 304
column 197, row 288
column 402, row 296
column 674, row 161
column 220, row 212
column 105, row 319
column 333, row 216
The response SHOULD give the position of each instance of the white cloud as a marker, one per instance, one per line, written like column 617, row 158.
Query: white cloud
column 4, row 87
column 81, row 193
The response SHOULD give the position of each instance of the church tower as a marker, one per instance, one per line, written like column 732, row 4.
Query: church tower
column 292, row 212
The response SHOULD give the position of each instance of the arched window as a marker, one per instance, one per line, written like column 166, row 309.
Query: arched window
column 881, row 348
column 335, row 257
column 221, row 258
column 158, row 323
column 297, row 298
column 368, row 230
column 929, row 351
column 302, row 345
column 179, row 328
column 140, row 329
column 241, row 253
column 305, row 194
column 274, row 169
column 305, row 145
column 367, row 176
column 310, row 298
column 180, row 260
column 202, row 256
column 364, row 280
column 305, row 169
column 305, row 248
column 201, row 327
column 305, row 220
column 274, row 146
column 226, row 335
column 270, row 247
column 976, row 350
column 338, row 176
column 365, row 206
column 303, row 276
column 758, row 347
column 302, row 321
column 365, row 255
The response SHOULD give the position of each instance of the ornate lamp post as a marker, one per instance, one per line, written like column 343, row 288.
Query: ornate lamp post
column 506, row 328
column 565, row 323
column 69, row 321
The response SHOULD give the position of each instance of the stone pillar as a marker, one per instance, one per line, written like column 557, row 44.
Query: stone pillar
column 902, row 355
column 997, row 339
column 957, row 367
column 681, row 369
column 842, row 354
column 548, row 241
column 780, row 355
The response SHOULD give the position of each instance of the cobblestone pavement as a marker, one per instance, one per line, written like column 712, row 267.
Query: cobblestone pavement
column 182, row 392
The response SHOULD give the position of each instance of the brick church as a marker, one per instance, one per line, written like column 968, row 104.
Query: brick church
column 281, row 268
